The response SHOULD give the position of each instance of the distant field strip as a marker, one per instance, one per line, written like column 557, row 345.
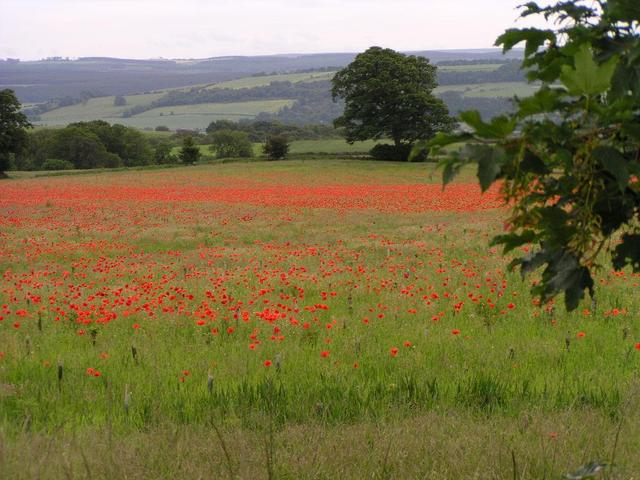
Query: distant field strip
column 494, row 90
column 200, row 115
column 179, row 116
column 489, row 67
column 251, row 82
column 95, row 108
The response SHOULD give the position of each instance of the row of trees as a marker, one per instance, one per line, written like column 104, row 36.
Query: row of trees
column 95, row 144
column 237, row 144
column 259, row 130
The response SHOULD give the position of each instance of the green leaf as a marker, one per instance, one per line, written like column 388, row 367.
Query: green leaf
column 564, row 273
column 513, row 240
column 628, row 252
column 534, row 38
column 418, row 150
column 624, row 10
column 450, row 169
column 499, row 127
column 445, row 139
column 632, row 130
column 490, row 161
column 587, row 77
column 530, row 262
column 614, row 163
column 544, row 100
column 531, row 163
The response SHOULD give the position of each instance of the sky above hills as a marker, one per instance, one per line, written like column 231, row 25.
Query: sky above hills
column 33, row 29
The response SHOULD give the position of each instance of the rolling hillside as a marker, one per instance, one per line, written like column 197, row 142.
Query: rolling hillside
column 42, row 81
column 291, row 98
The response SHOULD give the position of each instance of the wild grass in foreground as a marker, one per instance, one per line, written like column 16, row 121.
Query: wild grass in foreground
column 295, row 320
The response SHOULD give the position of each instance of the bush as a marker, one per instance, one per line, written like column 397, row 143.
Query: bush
column 119, row 101
column 57, row 164
column 190, row 152
column 162, row 128
column 228, row 143
column 388, row 152
column 276, row 147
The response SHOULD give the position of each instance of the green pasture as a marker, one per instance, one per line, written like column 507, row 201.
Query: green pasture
column 100, row 108
column 498, row 89
column 261, row 81
column 480, row 67
column 199, row 116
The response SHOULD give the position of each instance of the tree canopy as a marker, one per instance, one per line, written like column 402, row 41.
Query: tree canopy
column 389, row 95
column 276, row 147
column 190, row 152
column 568, row 160
column 230, row 143
column 13, row 125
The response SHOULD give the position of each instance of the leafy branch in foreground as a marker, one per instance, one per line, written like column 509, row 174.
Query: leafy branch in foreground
column 568, row 160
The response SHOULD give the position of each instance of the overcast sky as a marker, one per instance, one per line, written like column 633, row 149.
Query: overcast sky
column 33, row 29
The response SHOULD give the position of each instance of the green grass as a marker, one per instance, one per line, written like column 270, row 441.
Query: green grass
column 481, row 67
column 498, row 89
column 94, row 109
column 225, row 240
column 199, row 116
column 261, row 81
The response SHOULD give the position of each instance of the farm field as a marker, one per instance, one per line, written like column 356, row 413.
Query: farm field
column 184, row 116
column 200, row 115
column 100, row 108
column 497, row 89
column 479, row 67
column 263, row 80
column 210, row 320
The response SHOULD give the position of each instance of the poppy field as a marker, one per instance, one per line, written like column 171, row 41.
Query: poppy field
column 232, row 312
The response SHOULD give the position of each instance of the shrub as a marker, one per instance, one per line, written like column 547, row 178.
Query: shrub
column 162, row 128
column 276, row 147
column 119, row 101
column 57, row 164
column 384, row 151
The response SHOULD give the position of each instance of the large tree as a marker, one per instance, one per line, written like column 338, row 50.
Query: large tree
column 568, row 160
column 13, row 125
column 389, row 95
column 230, row 143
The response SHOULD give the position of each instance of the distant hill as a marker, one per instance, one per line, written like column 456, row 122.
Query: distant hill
column 41, row 81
